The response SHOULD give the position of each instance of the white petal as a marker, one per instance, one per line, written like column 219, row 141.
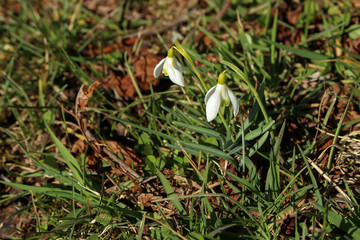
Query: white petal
column 213, row 105
column 209, row 94
column 178, row 65
column 159, row 67
column 174, row 74
column 234, row 101
column 224, row 95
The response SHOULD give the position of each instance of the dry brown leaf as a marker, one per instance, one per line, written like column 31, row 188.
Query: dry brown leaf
column 84, row 96
column 143, row 75
column 79, row 146
column 130, row 156
column 100, row 7
column 146, row 198
column 144, row 67
column 356, row 3
column 355, row 46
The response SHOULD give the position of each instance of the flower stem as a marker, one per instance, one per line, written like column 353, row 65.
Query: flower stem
column 254, row 92
column 183, row 52
column 223, row 120
column 262, row 107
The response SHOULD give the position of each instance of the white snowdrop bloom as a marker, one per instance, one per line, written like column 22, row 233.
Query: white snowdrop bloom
column 219, row 95
column 171, row 67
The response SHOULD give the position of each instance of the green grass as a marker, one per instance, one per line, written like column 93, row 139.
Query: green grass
column 246, row 177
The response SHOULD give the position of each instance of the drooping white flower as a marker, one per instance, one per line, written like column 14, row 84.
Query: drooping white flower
column 219, row 95
column 171, row 67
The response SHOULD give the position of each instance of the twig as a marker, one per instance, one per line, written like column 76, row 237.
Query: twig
column 148, row 32
column 214, row 22
column 190, row 161
column 326, row 177
column 209, row 187
column 341, row 137
column 35, row 209
column 101, row 23
column 126, row 168
column 101, row 149
column 168, row 227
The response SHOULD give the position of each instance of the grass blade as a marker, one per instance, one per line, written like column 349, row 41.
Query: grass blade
column 69, row 159
column 170, row 192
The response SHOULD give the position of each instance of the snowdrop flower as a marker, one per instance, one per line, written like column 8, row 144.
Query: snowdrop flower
column 217, row 96
column 171, row 67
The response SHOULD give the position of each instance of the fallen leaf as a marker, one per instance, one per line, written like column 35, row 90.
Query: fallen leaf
column 83, row 96
column 146, row 198
column 130, row 156
column 79, row 146
column 143, row 75
column 355, row 46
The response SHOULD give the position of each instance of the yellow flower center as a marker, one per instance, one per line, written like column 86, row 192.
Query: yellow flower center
column 165, row 72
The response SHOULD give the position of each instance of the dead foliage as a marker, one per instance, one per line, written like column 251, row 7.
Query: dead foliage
column 127, row 164
column 143, row 76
